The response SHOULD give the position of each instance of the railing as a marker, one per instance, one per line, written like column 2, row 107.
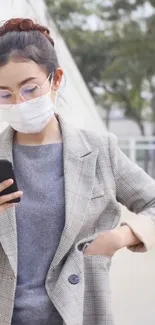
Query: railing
column 140, row 150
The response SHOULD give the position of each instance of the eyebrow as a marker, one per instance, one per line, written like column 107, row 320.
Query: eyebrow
column 20, row 83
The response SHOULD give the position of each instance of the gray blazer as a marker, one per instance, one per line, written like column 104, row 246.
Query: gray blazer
column 97, row 177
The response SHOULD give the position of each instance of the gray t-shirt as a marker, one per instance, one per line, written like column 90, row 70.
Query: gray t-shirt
column 40, row 222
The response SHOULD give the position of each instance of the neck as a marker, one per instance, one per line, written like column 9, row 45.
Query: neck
column 50, row 134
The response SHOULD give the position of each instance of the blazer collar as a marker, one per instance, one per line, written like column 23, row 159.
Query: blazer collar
column 73, row 139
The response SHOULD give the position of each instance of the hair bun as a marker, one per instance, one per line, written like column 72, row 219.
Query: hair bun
column 22, row 24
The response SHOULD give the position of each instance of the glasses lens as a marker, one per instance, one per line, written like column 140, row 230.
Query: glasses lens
column 5, row 96
column 30, row 91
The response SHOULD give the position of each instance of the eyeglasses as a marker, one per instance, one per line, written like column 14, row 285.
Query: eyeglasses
column 27, row 92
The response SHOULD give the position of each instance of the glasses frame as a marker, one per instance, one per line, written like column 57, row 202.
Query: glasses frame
column 20, row 90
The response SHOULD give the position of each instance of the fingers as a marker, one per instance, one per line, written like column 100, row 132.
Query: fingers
column 5, row 199
column 9, row 197
column 5, row 184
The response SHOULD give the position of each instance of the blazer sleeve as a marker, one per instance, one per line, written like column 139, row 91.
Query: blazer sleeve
column 136, row 190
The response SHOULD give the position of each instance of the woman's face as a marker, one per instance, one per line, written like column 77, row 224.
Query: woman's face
column 15, row 75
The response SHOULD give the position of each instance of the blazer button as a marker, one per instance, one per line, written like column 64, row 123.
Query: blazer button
column 74, row 279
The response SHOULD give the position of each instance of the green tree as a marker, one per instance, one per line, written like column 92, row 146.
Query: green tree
column 116, row 56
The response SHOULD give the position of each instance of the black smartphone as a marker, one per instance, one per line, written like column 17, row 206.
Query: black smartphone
column 7, row 172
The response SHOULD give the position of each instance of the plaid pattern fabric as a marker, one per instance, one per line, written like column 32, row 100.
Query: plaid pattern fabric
column 97, row 176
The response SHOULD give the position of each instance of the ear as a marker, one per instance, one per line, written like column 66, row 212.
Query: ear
column 57, row 79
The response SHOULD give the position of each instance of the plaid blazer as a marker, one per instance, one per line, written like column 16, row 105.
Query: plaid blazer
column 97, row 177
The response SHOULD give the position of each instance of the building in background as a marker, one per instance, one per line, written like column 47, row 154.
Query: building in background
column 76, row 103
column 123, row 126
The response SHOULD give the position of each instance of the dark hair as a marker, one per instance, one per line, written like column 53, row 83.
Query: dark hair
column 22, row 39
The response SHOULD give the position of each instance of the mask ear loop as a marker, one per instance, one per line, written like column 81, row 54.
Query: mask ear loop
column 56, row 98
column 56, row 93
column 51, row 81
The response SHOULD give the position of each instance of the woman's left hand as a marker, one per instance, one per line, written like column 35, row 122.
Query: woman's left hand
column 106, row 244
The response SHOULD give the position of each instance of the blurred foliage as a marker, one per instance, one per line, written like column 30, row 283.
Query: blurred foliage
column 114, row 49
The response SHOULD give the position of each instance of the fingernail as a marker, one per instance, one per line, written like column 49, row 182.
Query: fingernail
column 11, row 180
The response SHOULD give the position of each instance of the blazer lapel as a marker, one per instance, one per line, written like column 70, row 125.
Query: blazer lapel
column 79, row 175
column 8, row 234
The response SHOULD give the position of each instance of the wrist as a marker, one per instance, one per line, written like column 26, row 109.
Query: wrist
column 127, row 237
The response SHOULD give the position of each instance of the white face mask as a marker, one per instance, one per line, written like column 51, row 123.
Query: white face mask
column 31, row 116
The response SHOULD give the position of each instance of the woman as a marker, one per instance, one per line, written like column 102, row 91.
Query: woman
column 57, row 243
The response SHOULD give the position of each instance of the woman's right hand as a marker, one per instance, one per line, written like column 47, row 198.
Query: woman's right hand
column 4, row 199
